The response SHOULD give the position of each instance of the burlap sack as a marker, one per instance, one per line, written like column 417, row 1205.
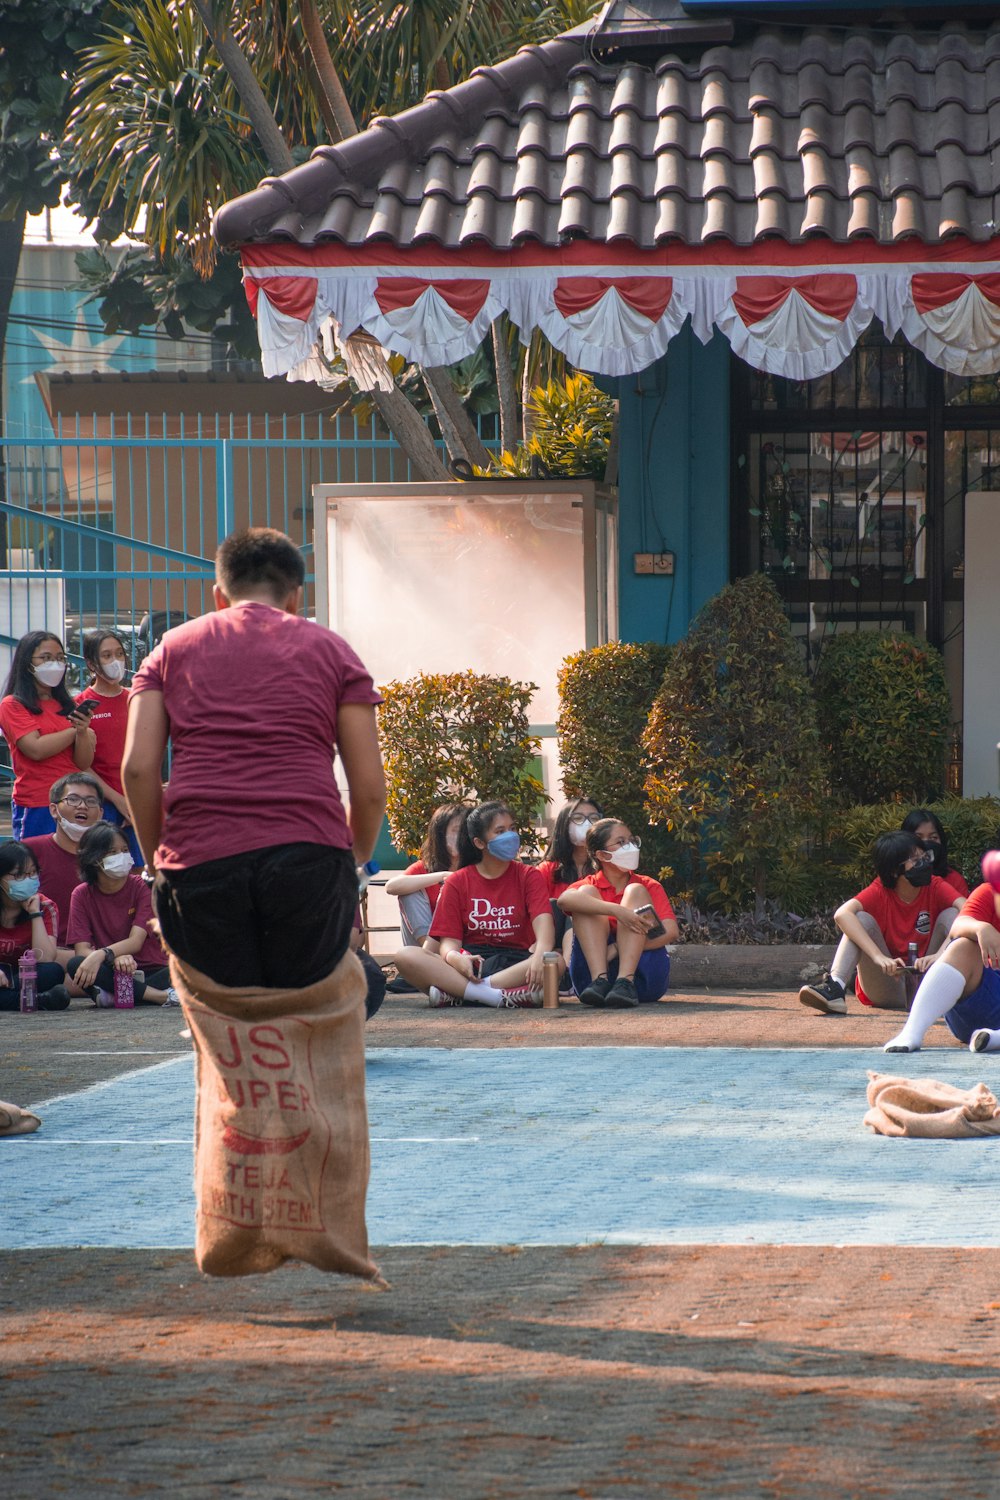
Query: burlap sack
column 925, row 1108
column 281, row 1130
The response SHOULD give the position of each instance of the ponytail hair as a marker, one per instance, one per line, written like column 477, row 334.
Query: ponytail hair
column 476, row 826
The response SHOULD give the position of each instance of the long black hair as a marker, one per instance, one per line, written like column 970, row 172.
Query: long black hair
column 21, row 681
column 434, row 850
column 97, row 843
column 476, row 826
column 561, row 846
column 912, row 822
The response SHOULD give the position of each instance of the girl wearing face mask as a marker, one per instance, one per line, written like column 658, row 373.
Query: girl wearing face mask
column 927, row 827
column 419, row 886
column 47, row 735
column 493, row 922
column 615, row 963
column 567, row 861
column 109, row 924
column 104, row 654
column 27, row 920
column 905, row 904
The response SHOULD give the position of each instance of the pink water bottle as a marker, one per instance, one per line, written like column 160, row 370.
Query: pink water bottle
column 124, row 991
column 28, row 978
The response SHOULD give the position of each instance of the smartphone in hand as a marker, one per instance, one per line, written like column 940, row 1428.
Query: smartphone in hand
column 657, row 928
column 86, row 707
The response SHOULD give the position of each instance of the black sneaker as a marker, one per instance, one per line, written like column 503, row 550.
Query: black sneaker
column 827, row 996
column 57, row 998
column 596, row 991
column 622, row 995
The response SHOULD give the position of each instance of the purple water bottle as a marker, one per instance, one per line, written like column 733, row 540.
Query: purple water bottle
column 124, row 991
column 28, row 980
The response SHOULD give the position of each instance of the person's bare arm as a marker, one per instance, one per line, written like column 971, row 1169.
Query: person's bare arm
column 846, row 918
column 983, row 933
column 407, row 885
column 37, row 746
column 357, row 743
column 145, row 744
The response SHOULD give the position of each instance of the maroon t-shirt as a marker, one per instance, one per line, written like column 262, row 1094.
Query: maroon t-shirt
column 59, row 876
column 100, row 919
column 251, row 694
column 17, row 939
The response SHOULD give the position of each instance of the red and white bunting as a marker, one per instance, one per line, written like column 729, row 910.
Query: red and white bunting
column 953, row 318
column 800, row 326
column 431, row 322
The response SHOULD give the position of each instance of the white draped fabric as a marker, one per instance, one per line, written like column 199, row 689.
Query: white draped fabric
column 610, row 319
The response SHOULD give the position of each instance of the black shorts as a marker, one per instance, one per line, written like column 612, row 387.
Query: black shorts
column 279, row 917
column 497, row 959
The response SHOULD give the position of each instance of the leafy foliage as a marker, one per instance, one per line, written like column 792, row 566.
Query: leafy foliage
column 971, row 824
column 457, row 737
column 884, row 715
column 770, row 924
column 571, row 423
column 605, row 695
column 735, row 768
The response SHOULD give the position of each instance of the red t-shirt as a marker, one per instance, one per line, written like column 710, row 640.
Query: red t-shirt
column 251, row 694
column 34, row 778
column 555, row 885
column 59, row 876
column 100, row 919
column 902, row 923
column 981, row 906
column 109, row 722
column 491, row 913
column 17, row 940
column 658, row 897
column 432, row 892
column 957, row 881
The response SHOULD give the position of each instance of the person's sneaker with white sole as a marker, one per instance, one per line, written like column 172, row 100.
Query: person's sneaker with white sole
column 521, row 997
column 438, row 999
column 979, row 1041
column 827, row 997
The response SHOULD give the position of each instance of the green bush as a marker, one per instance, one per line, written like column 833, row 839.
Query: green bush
column 605, row 695
column 884, row 716
column 570, row 424
column 458, row 737
column 972, row 825
column 735, row 767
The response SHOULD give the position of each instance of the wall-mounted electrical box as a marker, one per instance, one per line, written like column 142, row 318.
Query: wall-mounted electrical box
column 658, row 564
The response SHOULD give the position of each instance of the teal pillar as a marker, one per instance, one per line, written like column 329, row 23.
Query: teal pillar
column 674, row 479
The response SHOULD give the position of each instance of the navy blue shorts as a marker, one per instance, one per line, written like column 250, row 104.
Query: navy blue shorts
column 651, row 977
column 978, row 1010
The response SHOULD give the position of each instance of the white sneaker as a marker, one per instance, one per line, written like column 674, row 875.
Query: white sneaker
column 438, row 999
column 172, row 997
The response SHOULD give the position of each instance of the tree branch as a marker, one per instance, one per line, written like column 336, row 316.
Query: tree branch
column 460, row 436
column 329, row 78
column 261, row 116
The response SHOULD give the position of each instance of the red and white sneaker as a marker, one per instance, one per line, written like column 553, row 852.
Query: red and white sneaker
column 437, row 999
column 521, row 997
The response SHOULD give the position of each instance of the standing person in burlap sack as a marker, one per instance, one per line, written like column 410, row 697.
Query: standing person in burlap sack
column 255, row 701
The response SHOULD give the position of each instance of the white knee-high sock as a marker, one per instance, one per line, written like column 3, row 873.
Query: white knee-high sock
column 940, row 989
column 482, row 992
column 993, row 1045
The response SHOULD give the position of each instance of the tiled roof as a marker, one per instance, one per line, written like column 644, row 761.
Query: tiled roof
column 785, row 131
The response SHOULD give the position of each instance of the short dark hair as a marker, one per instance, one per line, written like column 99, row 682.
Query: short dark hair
column 97, row 843
column 434, row 850
column 890, row 854
column 476, row 826
column 21, row 682
column 259, row 557
column 57, row 790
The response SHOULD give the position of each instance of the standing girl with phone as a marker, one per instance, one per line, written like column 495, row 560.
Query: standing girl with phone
column 48, row 735
column 622, row 923
column 107, row 697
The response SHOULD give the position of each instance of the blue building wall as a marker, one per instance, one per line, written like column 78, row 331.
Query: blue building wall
column 674, row 478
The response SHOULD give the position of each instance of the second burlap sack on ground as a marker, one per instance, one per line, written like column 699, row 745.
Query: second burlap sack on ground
column 923, row 1107
column 281, row 1129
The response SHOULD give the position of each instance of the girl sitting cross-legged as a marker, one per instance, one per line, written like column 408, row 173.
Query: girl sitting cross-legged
column 615, row 961
column 492, row 920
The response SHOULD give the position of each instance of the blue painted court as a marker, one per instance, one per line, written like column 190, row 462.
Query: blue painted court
column 555, row 1146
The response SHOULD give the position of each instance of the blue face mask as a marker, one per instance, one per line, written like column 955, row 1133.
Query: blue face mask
column 24, row 888
column 505, row 845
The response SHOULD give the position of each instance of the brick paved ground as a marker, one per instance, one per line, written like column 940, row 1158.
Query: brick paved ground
column 787, row 1373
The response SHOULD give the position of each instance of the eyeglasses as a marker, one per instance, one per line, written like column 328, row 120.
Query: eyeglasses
column 37, row 661
column 72, row 801
column 622, row 843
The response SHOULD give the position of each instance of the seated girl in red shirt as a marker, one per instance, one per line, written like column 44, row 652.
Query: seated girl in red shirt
column 27, row 920
column 492, row 921
column 616, row 962
column 419, row 886
column 928, row 828
column 906, row 907
column 110, row 917
column 567, row 861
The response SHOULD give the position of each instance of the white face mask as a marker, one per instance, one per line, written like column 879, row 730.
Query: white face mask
column 579, row 828
column 114, row 671
column 74, row 831
column 51, row 673
column 116, row 864
column 626, row 858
